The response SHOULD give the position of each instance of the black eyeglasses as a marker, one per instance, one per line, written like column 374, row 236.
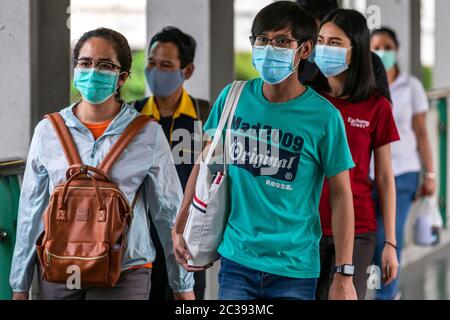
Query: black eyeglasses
column 99, row 65
column 280, row 44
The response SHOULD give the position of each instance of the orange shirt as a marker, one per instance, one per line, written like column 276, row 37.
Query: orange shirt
column 97, row 129
column 146, row 266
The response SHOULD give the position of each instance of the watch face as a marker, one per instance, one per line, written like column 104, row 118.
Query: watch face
column 347, row 269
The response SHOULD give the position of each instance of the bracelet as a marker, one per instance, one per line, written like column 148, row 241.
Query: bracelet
column 391, row 244
column 430, row 175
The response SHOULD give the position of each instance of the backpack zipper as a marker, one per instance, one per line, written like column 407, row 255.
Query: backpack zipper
column 50, row 255
column 100, row 188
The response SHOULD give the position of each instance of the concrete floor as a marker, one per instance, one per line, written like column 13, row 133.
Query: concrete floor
column 429, row 278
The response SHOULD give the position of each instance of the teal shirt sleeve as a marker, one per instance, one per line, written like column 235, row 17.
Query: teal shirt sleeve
column 334, row 151
column 216, row 112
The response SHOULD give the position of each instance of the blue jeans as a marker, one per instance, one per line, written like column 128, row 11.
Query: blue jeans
column 237, row 282
column 406, row 187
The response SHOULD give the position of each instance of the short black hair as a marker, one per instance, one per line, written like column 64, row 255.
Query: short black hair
column 388, row 31
column 286, row 14
column 360, row 84
column 319, row 8
column 185, row 43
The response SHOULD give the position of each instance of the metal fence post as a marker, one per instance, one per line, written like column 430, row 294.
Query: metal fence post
column 442, row 109
column 9, row 201
column 10, row 170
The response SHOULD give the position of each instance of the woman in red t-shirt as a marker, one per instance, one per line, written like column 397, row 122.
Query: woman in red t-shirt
column 347, row 81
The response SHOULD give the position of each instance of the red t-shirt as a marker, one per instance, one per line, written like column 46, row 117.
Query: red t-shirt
column 369, row 125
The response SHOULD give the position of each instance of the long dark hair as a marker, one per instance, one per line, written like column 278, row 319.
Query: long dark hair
column 318, row 8
column 119, row 43
column 389, row 32
column 360, row 84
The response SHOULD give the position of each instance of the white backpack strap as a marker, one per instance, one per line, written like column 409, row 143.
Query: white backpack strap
column 227, row 115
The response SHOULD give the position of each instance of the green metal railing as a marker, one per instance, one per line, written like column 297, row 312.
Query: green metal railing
column 439, row 98
column 9, row 202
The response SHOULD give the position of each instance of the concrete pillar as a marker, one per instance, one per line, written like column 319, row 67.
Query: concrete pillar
column 50, row 57
column 34, row 59
column 441, row 70
column 441, row 79
column 404, row 17
column 15, row 90
column 221, row 47
column 210, row 22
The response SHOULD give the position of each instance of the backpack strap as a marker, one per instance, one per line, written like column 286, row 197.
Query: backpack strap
column 225, row 121
column 127, row 136
column 63, row 133
column 140, row 104
column 202, row 108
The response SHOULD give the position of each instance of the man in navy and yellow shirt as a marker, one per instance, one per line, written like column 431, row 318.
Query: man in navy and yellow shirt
column 170, row 63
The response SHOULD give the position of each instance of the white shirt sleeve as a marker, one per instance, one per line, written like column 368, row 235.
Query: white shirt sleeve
column 419, row 100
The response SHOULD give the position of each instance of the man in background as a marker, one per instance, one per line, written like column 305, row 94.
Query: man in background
column 170, row 63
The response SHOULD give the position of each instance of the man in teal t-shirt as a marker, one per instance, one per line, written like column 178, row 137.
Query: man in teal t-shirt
column 274, row 223
column 286, row 139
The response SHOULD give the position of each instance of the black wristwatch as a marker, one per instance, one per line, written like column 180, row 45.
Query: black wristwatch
column 346, row 270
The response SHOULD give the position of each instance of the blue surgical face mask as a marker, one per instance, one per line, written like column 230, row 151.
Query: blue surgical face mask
column 163, row 83
column 274, row 66
column 330, row 60
column 95, row 86
column 312, row 56
column 388, row 57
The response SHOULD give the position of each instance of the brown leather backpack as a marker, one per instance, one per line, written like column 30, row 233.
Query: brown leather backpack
column 87, row 216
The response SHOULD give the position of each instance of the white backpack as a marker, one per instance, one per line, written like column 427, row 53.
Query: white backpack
column 208, row 213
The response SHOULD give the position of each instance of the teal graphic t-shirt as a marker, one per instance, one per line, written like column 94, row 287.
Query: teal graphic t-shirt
column 280, row 154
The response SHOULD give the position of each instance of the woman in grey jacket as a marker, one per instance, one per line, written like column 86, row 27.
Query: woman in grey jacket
column 102, row 60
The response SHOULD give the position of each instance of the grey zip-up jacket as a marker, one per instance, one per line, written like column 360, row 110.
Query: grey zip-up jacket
column 147, row 160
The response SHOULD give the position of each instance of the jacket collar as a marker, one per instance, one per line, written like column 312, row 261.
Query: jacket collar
column 401, row 80
column 126, row 114
column 185, row 107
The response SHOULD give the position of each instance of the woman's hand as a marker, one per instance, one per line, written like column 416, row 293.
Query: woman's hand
column 21, row 296
column 389, row 261
column 184, row 295
column 182, row 254
column 428, row 188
